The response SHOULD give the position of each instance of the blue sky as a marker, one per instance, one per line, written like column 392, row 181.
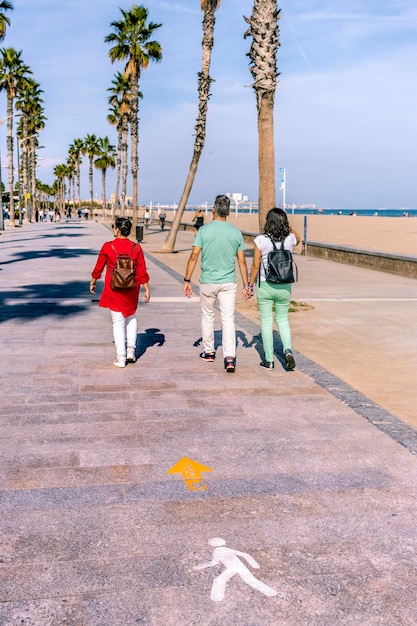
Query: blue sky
column 345, row 113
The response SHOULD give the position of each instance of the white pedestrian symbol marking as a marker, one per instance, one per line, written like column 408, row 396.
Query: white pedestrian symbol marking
column 230, row 559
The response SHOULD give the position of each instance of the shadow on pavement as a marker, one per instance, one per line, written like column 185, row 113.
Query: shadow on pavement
column 151, row 337
column 30, row 308
column 61, row 253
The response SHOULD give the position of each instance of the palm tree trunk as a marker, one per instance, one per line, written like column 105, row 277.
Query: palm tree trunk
column 263, row 28
column 266, row 156
column 200, row 128
column 73, row 190
column 118, row 170
column 90, row 177
column 10, row 158
column 134, row 129
column 32, row 170
column 25, row 181
column 78, row 184
column 103, row 191
column 172, row 235
column 124, row 166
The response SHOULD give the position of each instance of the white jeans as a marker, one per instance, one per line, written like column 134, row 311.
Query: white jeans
column 124, row 331
column 225, row 295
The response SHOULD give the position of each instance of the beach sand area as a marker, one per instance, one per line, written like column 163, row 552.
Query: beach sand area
column 392, row 235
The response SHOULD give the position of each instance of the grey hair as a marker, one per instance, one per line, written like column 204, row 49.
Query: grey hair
column 222, row 205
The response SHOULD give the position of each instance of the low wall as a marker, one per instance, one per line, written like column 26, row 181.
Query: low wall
column 381, row 261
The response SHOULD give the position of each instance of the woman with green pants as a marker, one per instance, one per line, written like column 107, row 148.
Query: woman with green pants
column 273, row 296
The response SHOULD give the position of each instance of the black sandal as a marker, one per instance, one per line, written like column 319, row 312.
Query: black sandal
column 230, row 364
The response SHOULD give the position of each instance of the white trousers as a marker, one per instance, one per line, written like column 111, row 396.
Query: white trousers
column 225, row 295
column 125, row 330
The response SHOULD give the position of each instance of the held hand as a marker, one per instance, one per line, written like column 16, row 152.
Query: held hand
column 246, row 294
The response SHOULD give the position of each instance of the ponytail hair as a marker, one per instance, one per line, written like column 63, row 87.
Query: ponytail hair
column 124, row 225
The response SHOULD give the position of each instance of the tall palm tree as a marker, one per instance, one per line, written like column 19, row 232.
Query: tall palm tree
column 75, row 152
column 264, row 30
column 29, row 102
column 204, row 81
column 118, row 116
column 44, row 191
column 131, row 39
column 60, row 172
column 13, row 74
column 5, row 5
column 113, row 118
column 91, row 147
column 72, row 175
column 106, row 159
column 36, row 124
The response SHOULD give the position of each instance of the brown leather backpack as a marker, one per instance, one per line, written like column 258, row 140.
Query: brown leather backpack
column 123, row 275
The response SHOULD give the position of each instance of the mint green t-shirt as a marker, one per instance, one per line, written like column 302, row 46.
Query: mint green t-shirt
column 219, row 242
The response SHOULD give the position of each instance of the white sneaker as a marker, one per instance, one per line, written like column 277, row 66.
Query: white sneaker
column 120, row 361
column 131, row 356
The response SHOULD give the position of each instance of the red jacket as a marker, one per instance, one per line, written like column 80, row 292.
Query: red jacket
column 126, row 301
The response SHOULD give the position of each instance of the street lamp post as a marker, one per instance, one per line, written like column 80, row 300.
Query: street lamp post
column 283, row 184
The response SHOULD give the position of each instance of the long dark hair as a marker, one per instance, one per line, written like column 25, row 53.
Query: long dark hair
column 277, row 227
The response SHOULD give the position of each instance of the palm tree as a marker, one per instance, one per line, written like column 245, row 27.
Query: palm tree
column 5, row 5
column 106, row 159
column 44, row 191
column 131, row 39
column 29, row 102
column 204, row 81
column 75, row 152
column 13, row 73
column 60, row 172
column 72, row 175
column 264, row 30
column 37, row 123
column 91, row 147
column 118, row 116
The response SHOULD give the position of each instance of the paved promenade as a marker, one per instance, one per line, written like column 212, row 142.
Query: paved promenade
column 302, row 502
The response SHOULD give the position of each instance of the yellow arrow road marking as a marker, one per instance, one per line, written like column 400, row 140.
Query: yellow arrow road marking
column 191, row 472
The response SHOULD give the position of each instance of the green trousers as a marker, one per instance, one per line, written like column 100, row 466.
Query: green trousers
column 274, row 299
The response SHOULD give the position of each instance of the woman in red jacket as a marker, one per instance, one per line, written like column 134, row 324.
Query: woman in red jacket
column 122, row 302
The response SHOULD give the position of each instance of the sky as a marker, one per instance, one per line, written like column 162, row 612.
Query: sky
column 345, row 108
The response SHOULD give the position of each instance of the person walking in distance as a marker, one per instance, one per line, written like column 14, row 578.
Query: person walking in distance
column 270, row 295
column 162, row 218
column 122, row 302
column 220, row 245
column 198, row 220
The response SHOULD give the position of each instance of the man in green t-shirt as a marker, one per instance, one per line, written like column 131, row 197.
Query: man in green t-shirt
column 220, row 244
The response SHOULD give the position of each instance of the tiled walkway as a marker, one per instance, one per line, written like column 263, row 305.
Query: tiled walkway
column 95, row 532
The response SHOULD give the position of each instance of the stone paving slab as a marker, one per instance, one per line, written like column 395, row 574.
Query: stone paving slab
column 94, row 532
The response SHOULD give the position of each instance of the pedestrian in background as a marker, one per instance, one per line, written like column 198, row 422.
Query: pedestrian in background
column 220, row 244
column 270, row 295
column 198, row 219
column 162, row 218
column 122, row 303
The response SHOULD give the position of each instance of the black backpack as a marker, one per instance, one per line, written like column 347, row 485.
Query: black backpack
column 281, row 268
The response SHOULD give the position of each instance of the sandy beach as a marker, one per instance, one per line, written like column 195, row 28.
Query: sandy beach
column 393, row 235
